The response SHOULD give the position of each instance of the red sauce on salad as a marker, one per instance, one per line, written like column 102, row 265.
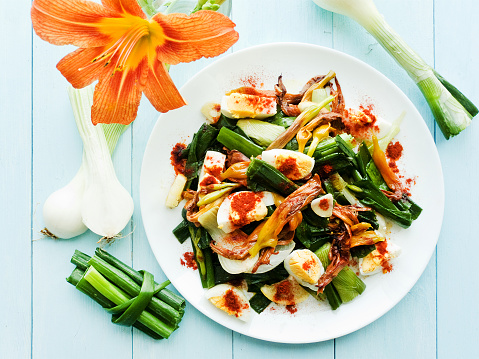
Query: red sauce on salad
column 234, row 303
column 178, row 163
column 394, row 150
column 259, row 103
column 284, row 292
column 361, row 124
column 242, row 203
column 382, row 249
column 394, row 153
column 189, row 261
column 327, row 168
column 288, row 166
column 207, row 180
column 252, row 80
column 324, row 204
column 291, row 308
column 214, row 170
column 308, row 264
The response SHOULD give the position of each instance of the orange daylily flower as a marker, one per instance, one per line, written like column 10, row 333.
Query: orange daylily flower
column 127, row 52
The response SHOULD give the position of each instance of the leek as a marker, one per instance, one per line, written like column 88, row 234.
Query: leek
column 262, row 176
column 346, row 284
column 263, row 133
column 63, row 211
column 133, row 298
column 235, row 141
column 451, row 109
column 106, row 206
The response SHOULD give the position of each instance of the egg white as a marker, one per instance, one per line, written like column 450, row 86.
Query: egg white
column 221, row 289
column 305, row 164
column 287, row 266
column 268, row 110
column 224, row 213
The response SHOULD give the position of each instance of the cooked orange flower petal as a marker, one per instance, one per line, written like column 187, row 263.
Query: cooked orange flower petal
column 117, row 96
column 188, row 38
column 78, row 69
column 160, row 89
column 69, row 22
column 125, row 6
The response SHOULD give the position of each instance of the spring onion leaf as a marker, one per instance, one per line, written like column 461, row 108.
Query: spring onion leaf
column 452, row 110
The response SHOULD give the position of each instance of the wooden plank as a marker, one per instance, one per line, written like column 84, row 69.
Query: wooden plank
column 15, row 179
column 194, row 326
column 61, row 314
column 280, row 21
column 457, row 295
column 391, row 336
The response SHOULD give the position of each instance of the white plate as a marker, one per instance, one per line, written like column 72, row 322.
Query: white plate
column 360, row 84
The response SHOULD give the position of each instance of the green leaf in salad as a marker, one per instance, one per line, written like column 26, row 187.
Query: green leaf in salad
column 261, row 176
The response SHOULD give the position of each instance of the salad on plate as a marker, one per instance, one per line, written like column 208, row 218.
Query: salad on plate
column 288, row 196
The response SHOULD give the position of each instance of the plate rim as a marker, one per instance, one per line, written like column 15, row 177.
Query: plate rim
column 441, row 200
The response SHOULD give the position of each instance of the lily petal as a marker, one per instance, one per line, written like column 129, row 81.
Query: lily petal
column 117, row 96
column 125, row 6
column 71, row 22
column 160, row 89
column 188, row 38
column 78, row 68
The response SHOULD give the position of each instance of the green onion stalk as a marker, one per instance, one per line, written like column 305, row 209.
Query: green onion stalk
column 452, row 110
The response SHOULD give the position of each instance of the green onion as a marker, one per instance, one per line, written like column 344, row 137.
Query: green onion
column 234, row 141
column 452, row 110
column 114, row 286
column 320, row 95
column 70, row 211
column 118, row 297
column 262, row 176
column 124, row 282
column 348, row 285
column 162, row 293
column 263, row 133
column 333, row 296
column 181, row 231
column 259, row 302
column 305, row 116
column 371, row 196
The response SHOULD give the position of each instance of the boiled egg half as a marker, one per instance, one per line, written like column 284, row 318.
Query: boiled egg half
column 212, row 168
column 294, row 165
column 305, row 267
column 377, row 261
column 230, row 300
column 239, row 209
column 323, row 206
column 286, row 292
column 237, row 105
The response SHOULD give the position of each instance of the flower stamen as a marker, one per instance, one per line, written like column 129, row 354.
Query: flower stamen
column 136, row 34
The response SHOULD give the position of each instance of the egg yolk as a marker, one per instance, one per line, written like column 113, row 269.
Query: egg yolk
column 305, row 267
column 293, row 166
column 241, row 105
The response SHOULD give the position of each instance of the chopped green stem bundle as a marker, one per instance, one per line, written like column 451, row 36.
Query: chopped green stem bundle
column 115, row 287
column 162, row 293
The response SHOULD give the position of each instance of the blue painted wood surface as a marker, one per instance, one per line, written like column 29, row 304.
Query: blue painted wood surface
column 41, row 316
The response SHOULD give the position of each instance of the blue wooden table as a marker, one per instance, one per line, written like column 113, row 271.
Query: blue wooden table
column 41, row 316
